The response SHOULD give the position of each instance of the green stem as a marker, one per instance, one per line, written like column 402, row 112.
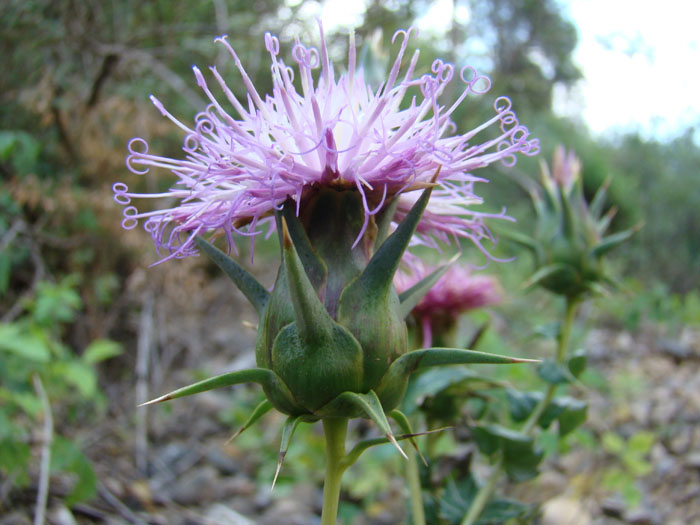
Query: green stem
column 484, row 494
column 563, row 343
column 414, row 485
column 335, row 430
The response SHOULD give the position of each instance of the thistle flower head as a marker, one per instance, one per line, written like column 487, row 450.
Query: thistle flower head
column 330, row 164
column 458, row 290
column 244, row 157
column 570, row 239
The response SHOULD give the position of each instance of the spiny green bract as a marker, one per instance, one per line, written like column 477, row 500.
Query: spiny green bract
column 568, row 244
column 332, row 338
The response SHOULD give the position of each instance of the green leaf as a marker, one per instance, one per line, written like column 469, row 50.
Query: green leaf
column 101, row 350
column 521, row 404
column 14, row 459
column 5, row 268
column 553, row 372
column 57, row 302
column 27, row 401
column 549, row 330
column 413, row 295
column 27, row 343
column 574, row 413
column 641, row 442
column 66, row 457
column 458, row 498
column 613, row 443
column 78, row 374
column 577, row 363
column 256, row 294
column 520, row 458
column 431, row 382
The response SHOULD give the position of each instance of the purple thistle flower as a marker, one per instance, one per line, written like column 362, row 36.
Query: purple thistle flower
column 457, row 291
column 334, row 132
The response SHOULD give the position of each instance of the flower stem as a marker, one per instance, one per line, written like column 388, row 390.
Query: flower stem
column 335, row 430
column 484, row 494
column 414, row 485
column 563, row 342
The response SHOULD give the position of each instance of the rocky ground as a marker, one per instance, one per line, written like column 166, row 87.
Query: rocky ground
column 174, row 466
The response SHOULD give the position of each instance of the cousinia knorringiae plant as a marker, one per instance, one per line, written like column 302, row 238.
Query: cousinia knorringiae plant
column 568, row 246
column 349, row 177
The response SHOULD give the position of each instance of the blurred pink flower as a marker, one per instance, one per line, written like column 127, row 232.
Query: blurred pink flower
column 332, row 131
column 457, row 291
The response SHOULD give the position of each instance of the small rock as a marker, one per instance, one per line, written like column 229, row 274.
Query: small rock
column 692, row 460
column 565, row 510
column 224, row 515
column 674, row 349
column 613, row 507
column 641, row 517
column 15, row 518
column 60, row 515
column 200, row 485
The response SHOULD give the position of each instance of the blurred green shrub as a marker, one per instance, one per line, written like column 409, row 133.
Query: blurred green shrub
column 32, row 346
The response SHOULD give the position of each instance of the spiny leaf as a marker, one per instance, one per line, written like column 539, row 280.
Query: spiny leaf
column 542, row 274
column 413, row 295
column 596, row 206
column 379, row 273
column 568, row 216
column 315, row 268
column 370, row 405
column 384, row 222
column 613, row 241
column 352, row 456
column 259, row 411
column 251, row 288
column 408, row 363
column 251, row 375
column 311, row 316
column 479, row 334
column 519, row 238
column 451, row 356
column 405, row 425
column 287, row 432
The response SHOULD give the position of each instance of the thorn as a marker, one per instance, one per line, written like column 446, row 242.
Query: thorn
column 425, row 185
column 160, row 399
column 393, row 441
column 250, row 325
column 286, row 239
column 277, row 471
column 235, row 435
column 420, row 186
column 420, row 454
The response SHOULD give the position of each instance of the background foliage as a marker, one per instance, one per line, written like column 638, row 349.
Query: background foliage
column 77, row 76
